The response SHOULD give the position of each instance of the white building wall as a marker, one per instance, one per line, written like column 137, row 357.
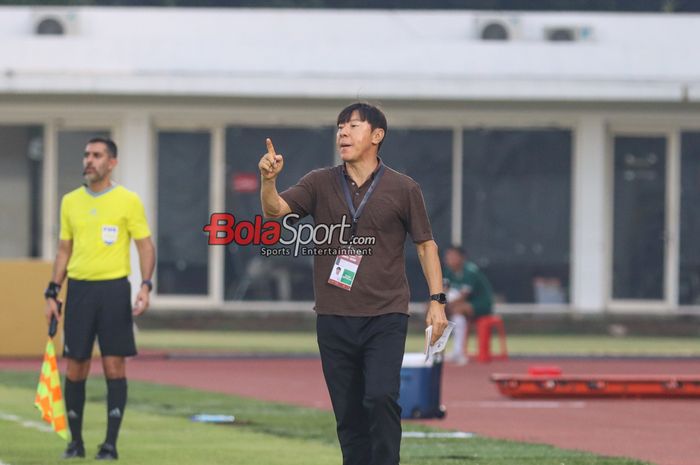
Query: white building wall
column 135, row 71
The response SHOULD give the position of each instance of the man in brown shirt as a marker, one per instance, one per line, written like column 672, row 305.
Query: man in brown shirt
column 362, row 316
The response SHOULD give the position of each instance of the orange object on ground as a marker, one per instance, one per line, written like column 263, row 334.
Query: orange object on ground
column 544, row 370
column 484, row 327
column 630, row 386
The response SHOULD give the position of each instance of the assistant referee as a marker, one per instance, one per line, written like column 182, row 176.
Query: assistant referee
column 98, row 221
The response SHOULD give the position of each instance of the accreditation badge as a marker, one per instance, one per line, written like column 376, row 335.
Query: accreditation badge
column 344, row 271
column 110, row 233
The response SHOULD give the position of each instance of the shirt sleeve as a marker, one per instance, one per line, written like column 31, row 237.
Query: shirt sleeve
column 301, row 197
column 136, row 220
column 66, row 233
column 418, row 221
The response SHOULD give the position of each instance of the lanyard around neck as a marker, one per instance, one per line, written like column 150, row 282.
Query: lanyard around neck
column 355, row 213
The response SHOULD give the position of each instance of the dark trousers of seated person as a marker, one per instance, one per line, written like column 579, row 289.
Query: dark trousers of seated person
column 361, row 359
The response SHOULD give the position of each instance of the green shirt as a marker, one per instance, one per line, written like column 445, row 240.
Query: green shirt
column 471, row 279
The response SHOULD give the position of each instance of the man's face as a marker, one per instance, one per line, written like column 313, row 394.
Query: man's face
column 356, row 137
column 454, row 260
column 97, row 164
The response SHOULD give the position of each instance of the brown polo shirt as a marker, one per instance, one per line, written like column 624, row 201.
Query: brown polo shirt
column 396, row 207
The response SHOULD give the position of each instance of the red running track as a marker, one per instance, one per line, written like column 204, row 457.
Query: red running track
column 661, row 431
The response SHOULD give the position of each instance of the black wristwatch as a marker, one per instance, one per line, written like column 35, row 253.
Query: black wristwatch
column 439, row 298
column 148, row 284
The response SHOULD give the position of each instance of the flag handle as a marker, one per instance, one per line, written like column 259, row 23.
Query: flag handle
column 53, row 326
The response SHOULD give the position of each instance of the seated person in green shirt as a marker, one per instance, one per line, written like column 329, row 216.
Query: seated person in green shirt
column 469, row 297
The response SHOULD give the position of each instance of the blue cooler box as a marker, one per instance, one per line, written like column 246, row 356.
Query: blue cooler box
column 420, row 387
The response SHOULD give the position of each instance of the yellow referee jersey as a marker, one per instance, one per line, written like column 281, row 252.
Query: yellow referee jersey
column 101, row 227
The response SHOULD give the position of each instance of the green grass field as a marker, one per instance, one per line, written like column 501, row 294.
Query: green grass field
column 305, row 343
column 157, row 430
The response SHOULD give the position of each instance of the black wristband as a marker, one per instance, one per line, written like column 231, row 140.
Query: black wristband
column 148, row 283
column 52, row 290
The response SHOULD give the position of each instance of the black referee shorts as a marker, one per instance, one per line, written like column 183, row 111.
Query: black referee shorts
column 102, row 309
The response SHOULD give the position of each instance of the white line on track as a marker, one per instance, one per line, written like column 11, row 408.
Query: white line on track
column 3, row 463
column 26, row 423
column 437, row 435
column 518, row 404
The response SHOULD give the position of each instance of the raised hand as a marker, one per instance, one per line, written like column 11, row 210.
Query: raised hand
column 271, row 163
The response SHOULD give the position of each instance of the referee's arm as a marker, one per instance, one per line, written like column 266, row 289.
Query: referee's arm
column 65, row 250
column 147, row 262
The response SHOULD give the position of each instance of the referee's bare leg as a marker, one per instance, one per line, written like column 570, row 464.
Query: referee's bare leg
column 78, row 370
column 114, row 367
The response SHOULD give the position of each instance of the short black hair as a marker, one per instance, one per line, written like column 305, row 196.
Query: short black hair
column 367, row 112
column 109, row 143
column 459, row 249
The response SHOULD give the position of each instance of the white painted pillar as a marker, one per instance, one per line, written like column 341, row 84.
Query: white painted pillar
column 50, row 228
column 590, row 219
column 136, row 172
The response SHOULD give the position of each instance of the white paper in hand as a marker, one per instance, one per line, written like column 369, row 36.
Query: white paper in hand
column 440, row 344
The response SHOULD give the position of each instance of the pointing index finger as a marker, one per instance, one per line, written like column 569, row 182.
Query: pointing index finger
column 270, row 147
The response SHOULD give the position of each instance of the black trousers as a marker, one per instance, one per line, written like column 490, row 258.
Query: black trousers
column 361, row 359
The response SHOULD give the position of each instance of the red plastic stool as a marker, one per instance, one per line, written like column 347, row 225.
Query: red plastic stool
column 484, row 327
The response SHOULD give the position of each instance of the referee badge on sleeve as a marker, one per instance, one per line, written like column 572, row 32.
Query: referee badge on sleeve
column 110, row 234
